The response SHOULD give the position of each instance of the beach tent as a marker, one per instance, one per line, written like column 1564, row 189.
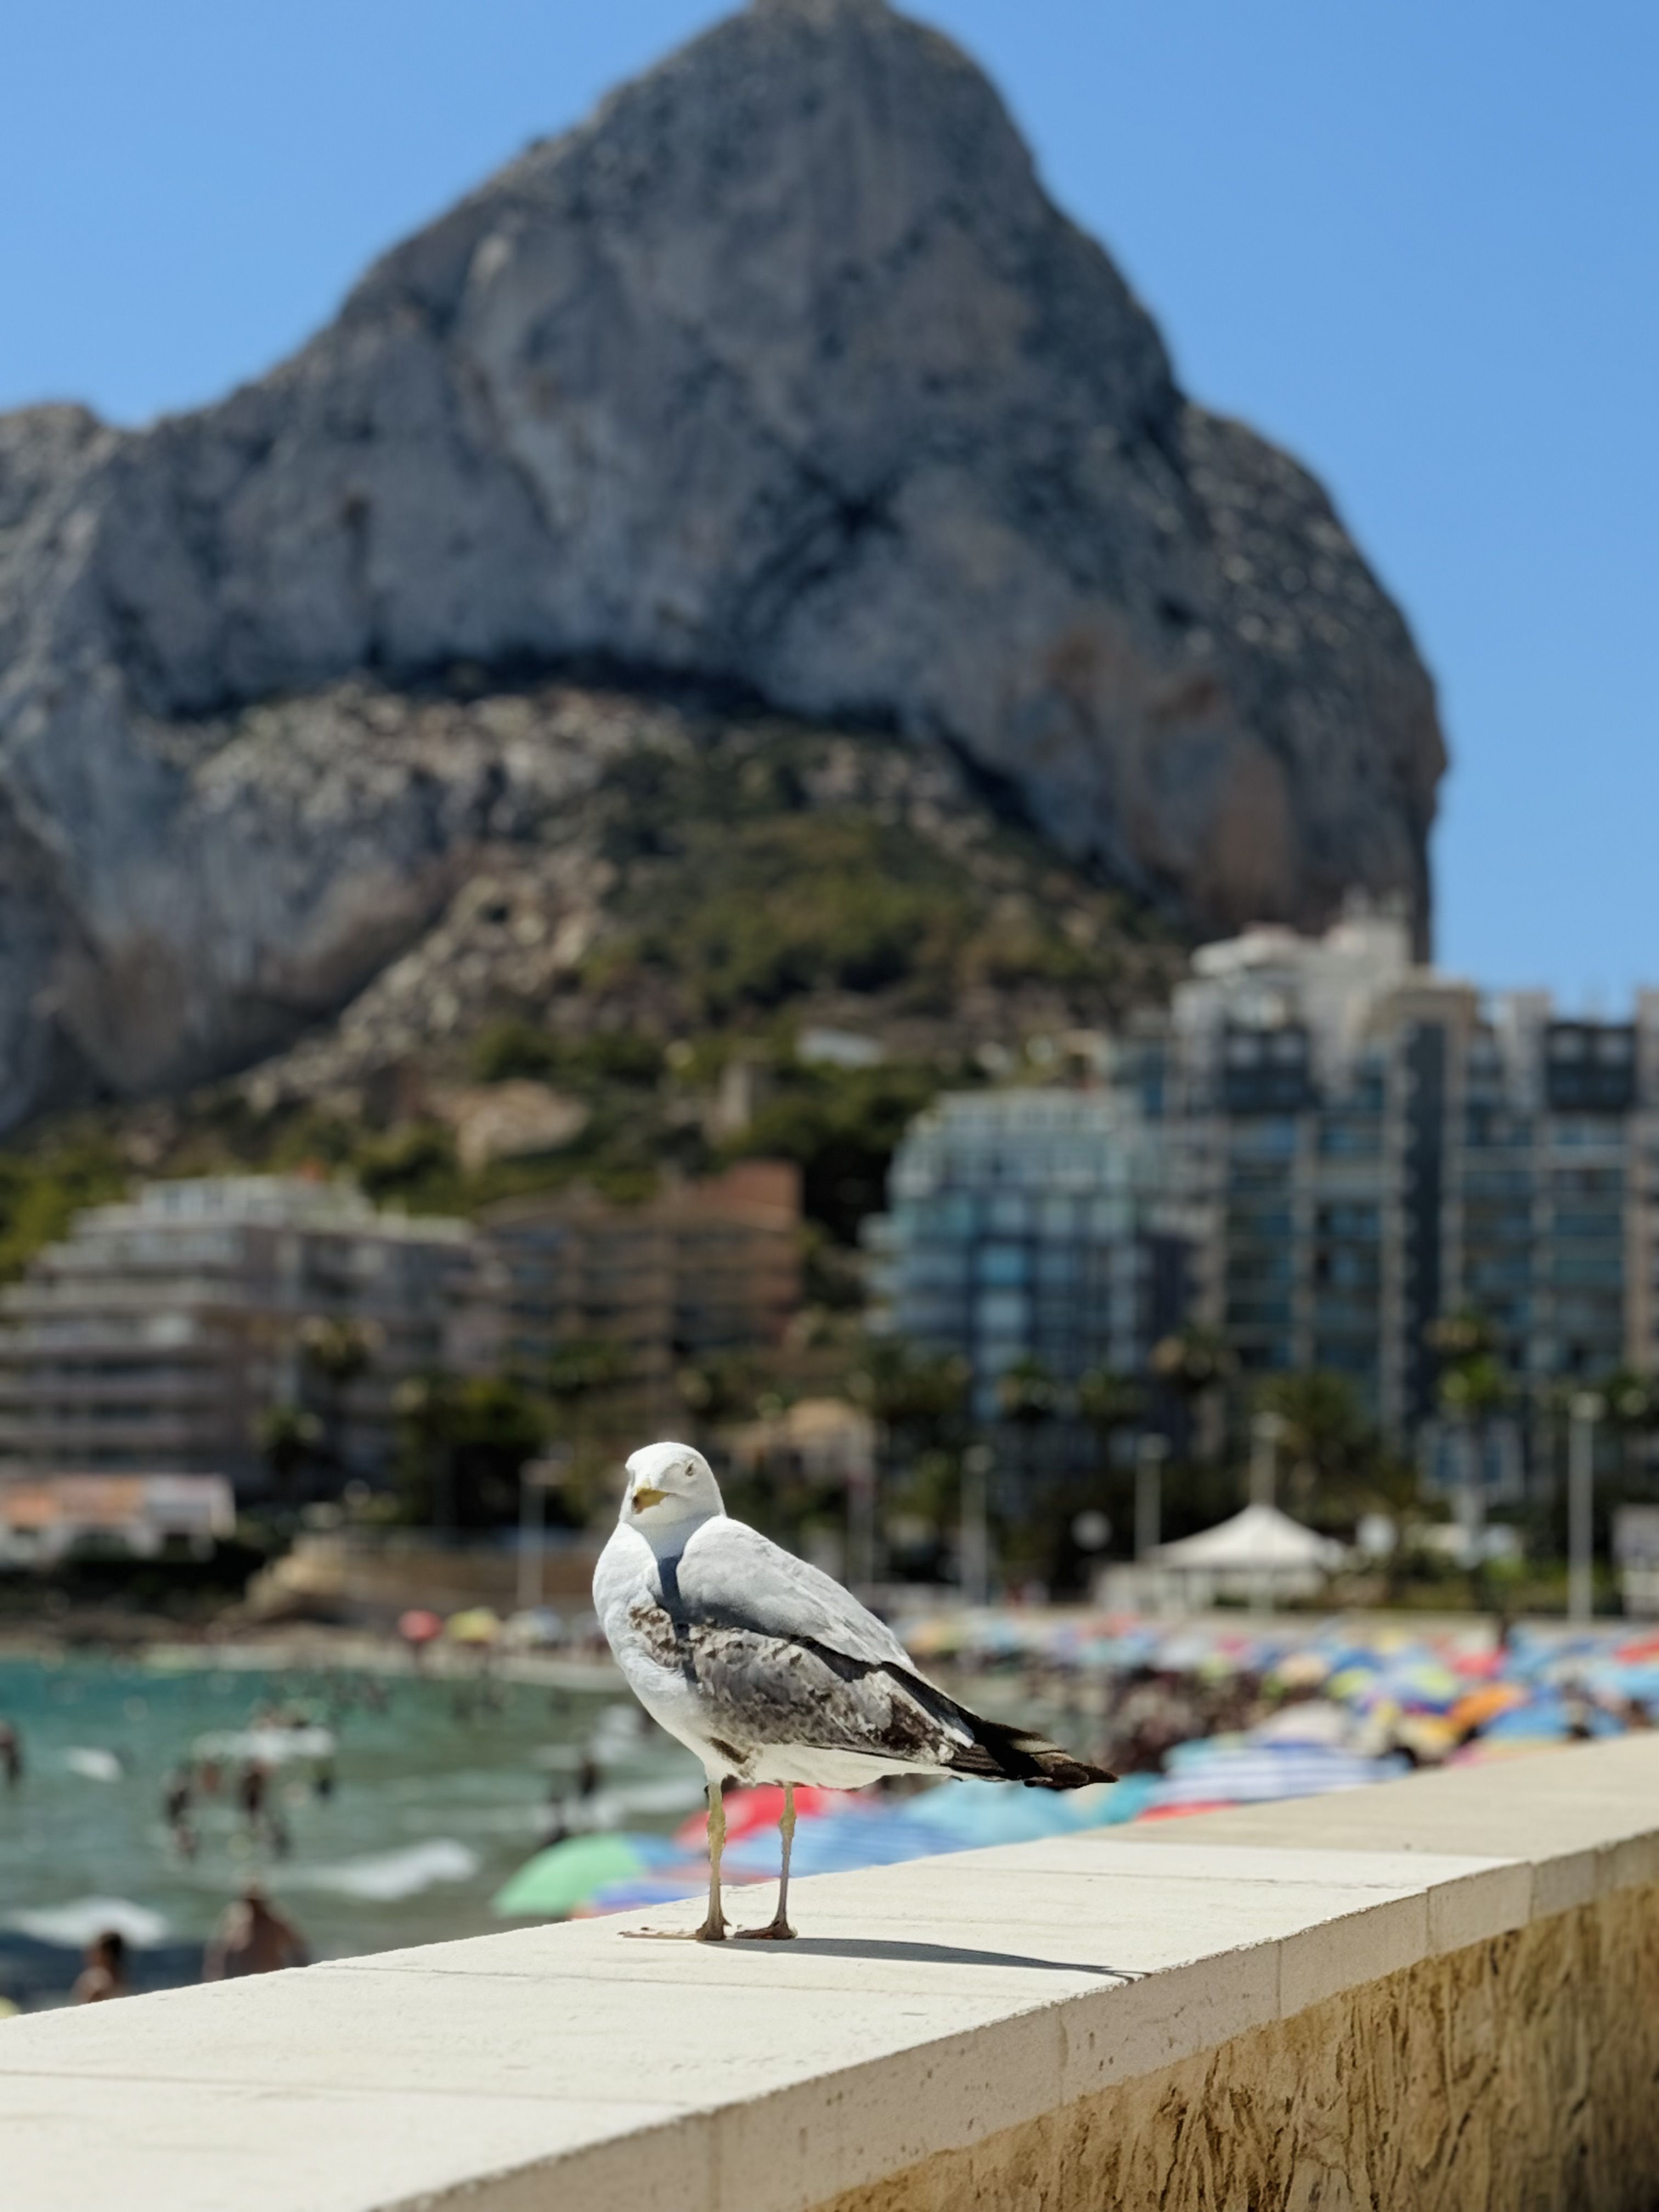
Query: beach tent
column 1259, row 1552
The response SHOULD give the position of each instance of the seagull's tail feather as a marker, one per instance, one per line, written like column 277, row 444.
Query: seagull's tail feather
column 1002, row 1753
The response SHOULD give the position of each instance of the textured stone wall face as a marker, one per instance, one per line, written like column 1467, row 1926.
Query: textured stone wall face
column 783, row 371
column 1519, row 2076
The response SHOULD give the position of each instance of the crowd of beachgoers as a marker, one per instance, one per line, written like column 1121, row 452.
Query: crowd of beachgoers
column 1192, row 1715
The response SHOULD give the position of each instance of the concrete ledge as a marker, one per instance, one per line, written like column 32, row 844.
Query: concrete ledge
column 1438, row 1981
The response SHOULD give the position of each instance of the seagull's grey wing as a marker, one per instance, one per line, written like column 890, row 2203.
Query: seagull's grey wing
column 730, row 1576
column 753, row 1689
column 777, row 1653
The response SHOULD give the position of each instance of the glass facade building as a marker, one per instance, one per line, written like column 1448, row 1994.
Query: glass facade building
column 1031, row 1225
column 1378, row 1148
column 1320, row 1151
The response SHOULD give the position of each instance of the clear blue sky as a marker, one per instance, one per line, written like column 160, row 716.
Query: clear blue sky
column 1417, row 240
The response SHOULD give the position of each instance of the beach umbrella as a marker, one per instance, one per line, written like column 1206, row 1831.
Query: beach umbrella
column 1476, row 1707
column 475, row 1624
column 568, row 1874
column 1430, row 1737
column 1636, row 1679
column 1258, row 1774
column 1551, row 1719
column 967, row 1815
column 840, row 1843
column 418, row 1626
column 747, row 1810
column 1310, row 1721
column 1540, row 1720
column 640, row 1893
column 1353, row 1683
column 533, row 1628
column 937, row 1637
column 1424, row 1686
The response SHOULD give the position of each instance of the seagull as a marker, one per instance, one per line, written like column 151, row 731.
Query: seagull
column 770, row 1671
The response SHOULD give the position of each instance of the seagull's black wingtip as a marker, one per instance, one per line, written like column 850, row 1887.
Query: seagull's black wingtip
column 1002, row 1753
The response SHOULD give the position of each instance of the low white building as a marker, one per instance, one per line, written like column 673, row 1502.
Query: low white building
column 43, row 1518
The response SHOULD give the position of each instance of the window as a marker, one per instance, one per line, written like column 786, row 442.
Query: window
column 1347, row 1223
column 1345, row 1355
column 1267, row 1136
column 1002, row 1314
column 1266, row 1223
column 1347, row 1267
column 1490, row 1128
column 1569, row 1267
column 1269, row 1266
column 1003, row 1264
column 1350, row 1136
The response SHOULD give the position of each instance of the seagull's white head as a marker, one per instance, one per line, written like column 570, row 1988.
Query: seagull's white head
column 667, row 1485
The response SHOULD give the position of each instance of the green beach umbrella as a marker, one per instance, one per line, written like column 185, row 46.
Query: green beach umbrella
column 566, row 1874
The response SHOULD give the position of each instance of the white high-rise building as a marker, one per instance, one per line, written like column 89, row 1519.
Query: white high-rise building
column 157, row 1333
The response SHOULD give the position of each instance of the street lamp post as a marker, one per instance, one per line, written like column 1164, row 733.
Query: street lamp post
column 1265, row 1432
column 974, row 1535
column 1585, row 1412
column 1472, row 1494
column 861, row 1522
column 536, row 1478
column 1151, row 1452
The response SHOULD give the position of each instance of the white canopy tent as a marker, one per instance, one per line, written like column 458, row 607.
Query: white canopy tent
column 1260, row 1553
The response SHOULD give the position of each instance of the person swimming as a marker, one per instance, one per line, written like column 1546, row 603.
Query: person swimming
column 252, row 1938
column 105, row 1974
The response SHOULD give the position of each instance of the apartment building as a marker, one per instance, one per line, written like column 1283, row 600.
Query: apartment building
column 157, row 1334
column 702, row 1269
column 1032, row 1225
column 1321, row 1149
column 1374, row 1147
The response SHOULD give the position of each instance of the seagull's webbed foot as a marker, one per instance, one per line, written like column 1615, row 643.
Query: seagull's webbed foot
column 712, row 1931
column 715, row 1925
column 776, row 1930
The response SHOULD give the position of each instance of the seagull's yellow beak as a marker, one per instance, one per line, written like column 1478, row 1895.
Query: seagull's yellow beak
column 645, row 1495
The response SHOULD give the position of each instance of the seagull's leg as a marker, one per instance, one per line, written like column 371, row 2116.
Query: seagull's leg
column 713, row 1927
column 778, row 1929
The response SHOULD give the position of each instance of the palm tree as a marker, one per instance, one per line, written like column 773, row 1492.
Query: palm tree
column 287, row 1436
column 1028, row 1395
column 426, row 1408
column 721, row 1390
column 1633, row 1403
column 583, row 1372
column 1194, row 1364
column 1322, row 1431
column 915, row 1396
column 341, row 1349
column 1473, row 1389
column 1109, row 1401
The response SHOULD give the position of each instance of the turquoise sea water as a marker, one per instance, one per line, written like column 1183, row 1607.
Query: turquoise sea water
column 441, row 1789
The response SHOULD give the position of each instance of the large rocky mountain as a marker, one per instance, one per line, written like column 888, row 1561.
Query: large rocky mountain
column 780, row 374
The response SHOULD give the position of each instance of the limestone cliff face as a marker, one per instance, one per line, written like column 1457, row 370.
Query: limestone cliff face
column 781, row 371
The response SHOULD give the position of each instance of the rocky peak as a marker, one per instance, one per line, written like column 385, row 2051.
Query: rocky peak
column 783, row 372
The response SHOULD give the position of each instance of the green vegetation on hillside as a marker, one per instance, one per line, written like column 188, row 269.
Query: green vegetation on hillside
column 45, row 1183
column 737, row 880
column 758, row 871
